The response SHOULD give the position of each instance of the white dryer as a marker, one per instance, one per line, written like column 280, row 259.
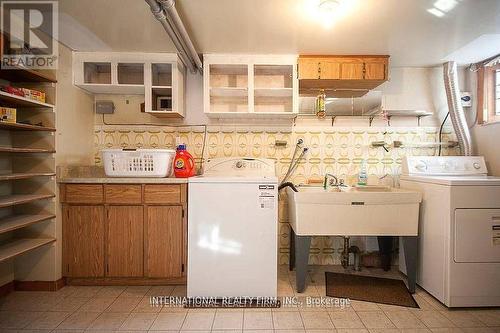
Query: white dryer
column 233, row 229
column 459, row 228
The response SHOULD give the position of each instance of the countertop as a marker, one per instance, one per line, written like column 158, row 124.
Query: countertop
column 96, row 175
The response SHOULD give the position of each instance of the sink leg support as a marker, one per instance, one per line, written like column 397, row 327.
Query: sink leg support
column 302, row 244
column 410, row 244
column 291, row 262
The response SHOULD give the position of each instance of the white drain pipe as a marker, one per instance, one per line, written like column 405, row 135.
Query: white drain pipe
column 455, row 108
column 165, row 12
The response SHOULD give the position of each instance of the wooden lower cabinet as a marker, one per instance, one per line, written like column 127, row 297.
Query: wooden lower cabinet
column 135, row 234
column 124, row 244
column 83, row 241
column 164, row 241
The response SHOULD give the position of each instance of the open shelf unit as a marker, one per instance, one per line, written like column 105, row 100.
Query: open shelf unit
column 27, row 172
column 250, row 86
column 159, row 77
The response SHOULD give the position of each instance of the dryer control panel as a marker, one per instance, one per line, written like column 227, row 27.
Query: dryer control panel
column 444, row 165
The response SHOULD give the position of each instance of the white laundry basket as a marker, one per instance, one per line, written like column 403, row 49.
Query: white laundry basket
column 138, row 162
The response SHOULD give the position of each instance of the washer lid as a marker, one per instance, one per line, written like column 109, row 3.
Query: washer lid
column 476, row 180
column 235, row 179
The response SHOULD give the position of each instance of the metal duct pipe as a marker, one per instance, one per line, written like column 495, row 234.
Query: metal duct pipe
column 457, row 114
column 179, row 44
column 169, row 7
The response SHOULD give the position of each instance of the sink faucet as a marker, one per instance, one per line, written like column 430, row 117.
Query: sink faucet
column 330, row 180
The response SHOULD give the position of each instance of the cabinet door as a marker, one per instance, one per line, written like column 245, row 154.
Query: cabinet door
column 164, row 241
column 351, row 71
column 83, row 245
column 374, row 71
column 309, row 68
column 124, row 243
column 330, row 70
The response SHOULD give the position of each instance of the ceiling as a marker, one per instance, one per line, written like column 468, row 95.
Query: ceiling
column 404, row 29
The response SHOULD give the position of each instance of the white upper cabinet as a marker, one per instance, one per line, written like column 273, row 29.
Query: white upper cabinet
column 251, row 86
column 158, row 76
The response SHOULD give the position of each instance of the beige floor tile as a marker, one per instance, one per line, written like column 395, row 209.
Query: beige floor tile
column 404, row 319
column 415, row 330
column 123, row 304
column 169, row 321
column 389, row 307
column 98, row 304
column 48, row 320
column 67, row 331
column 287, row 320
column 462, row 318
column 109, row 321
column 223, row 331
column 111, row 291
column 375, row 319
column 228, row 320
column 384, row 330
column 364, row 306
column 135, row 291
column 481, row 329
column 43, row 302
column 446, row 330
column 70, row 304
column 316, row 320
column 261, row 320
column 86, row 291
column 200, row 320
column 78, row 321
column 488, row 317
column 17, row 319
column 352, row 330
column 258, row 331
column 160, row 291
column 434, row 302
column 345, row 319
column 433, row 319
column 146, row 306
column 423, row 304
column 138, row 321
column 179, row 291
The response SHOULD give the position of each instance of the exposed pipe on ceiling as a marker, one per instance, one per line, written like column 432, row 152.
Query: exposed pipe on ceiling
column 455, row 108
column 165, row 12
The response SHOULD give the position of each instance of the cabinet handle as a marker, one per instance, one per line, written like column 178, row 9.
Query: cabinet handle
column 319, row 70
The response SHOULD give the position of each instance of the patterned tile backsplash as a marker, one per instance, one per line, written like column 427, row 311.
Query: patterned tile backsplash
column 331, row 149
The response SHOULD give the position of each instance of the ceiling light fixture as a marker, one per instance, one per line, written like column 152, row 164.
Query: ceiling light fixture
column 436, row 12
column 327, row 10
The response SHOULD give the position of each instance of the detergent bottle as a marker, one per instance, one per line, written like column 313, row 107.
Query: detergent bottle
column 183, row 163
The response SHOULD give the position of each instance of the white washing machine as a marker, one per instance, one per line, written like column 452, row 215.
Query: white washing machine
column 459, row 228
column 233, row 229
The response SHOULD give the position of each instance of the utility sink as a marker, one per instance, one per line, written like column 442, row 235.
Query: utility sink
column 314, row 211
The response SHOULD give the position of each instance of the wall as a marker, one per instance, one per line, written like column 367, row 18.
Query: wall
column 485, row 137
column 337, row 148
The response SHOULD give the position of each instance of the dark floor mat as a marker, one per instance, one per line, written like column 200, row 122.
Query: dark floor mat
column 369, row 289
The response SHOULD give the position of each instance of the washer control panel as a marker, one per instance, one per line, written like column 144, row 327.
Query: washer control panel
column 444, row 165
column 240, row 166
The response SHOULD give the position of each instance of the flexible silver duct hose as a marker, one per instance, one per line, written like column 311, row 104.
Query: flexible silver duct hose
column 457, row 114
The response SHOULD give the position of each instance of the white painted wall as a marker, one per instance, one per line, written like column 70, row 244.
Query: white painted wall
column 486, row 138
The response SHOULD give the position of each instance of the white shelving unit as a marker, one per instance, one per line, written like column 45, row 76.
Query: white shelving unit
column 159, row 77
column 27, row 172
column 250, row 86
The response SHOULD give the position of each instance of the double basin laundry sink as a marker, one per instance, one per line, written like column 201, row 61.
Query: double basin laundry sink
column 353, row 211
